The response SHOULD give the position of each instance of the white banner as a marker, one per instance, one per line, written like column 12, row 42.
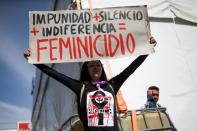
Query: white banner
column 81, row 35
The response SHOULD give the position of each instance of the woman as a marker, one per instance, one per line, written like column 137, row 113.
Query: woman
column 95, row 94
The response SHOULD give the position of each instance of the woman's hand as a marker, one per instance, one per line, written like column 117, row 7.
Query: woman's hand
column 153, row 41
column 27, row 54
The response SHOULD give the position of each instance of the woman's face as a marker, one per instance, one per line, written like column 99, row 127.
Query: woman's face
column 94, row 70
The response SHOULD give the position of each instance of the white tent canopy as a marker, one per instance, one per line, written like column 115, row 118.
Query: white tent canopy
column 172, row 68
column 156, row 8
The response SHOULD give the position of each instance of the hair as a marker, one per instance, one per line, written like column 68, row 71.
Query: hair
column 153, row 88
column 84, row 76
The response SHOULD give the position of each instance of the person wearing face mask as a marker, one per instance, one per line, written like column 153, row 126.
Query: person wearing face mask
column 152, row 97
column 152, row 102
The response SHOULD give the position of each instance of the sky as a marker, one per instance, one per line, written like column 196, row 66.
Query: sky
column 16, row 74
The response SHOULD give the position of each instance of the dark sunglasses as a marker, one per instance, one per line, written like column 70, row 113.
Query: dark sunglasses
column 155, row 94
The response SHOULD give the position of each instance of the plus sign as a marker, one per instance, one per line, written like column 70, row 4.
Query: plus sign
column 34, row 31
column 96, row 17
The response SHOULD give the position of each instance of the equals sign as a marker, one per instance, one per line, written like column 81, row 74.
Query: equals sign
column 122, row 26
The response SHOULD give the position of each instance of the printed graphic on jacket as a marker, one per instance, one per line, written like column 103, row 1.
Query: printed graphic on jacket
column 100, row 108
